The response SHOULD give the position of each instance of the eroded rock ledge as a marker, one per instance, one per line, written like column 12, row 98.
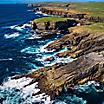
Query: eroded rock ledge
column 84, row 43
column 62, row 12
column 70, row 14
column 82, row 40
column 88, row 47
column 52, row 80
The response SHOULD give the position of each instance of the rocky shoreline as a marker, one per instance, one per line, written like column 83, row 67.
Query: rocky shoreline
column 84, row 44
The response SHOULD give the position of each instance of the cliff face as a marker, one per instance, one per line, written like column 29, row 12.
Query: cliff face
column 49, row 5
column 74, row 10
column 49, row 27
column 52, row 80
column 70, row 14
column 88, row 47
column 86, row 68
column 84, row 43
column 62, row 13
column 60, row 25
column 79, row 42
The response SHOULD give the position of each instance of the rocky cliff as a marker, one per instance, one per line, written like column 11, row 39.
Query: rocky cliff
column 83, row 44
column 62, row 13
column 57, row 78
column 52, row 25
column 81, row 40
column 72, row 11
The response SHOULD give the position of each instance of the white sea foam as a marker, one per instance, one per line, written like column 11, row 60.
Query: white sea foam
column 56, row 59
column 15, row 91
column 26, row 25
column 10, row 59
column 18, row 83
column 39, row 12
column 60, row 102
column 33, row 49
column 34, row 36
column 20, row 28
column 30, row 50
column 13, row 26
column 43, row 48
column 14, row 35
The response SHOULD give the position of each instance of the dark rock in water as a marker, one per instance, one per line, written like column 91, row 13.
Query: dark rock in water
column 20, row 25
column 50, row 59
column 34, row 26
column 1, row 100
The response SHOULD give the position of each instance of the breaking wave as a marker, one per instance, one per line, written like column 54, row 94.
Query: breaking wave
column 20, row 91
column 15, row 91
column 14, row 35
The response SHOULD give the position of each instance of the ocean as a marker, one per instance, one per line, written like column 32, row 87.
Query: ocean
column 22, row 51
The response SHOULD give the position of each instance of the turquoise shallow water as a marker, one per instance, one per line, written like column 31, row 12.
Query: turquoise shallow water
column 22, row 51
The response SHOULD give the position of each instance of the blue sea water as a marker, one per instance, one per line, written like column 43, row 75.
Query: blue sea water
column 18, row 48
column 22, row 51
column 11, row 15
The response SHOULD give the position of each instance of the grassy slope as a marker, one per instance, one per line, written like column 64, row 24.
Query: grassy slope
column 93, row 28
column 91, row 8
column 50, row 19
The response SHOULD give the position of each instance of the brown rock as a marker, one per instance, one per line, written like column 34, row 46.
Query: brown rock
column 57, row 77
column 49, row 59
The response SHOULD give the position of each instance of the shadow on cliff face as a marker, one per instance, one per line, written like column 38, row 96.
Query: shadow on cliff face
column 49, row 28
column 63, row 26
column 66, row 24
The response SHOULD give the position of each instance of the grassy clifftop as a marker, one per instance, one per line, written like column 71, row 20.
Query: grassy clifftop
column 91, row 8
column 50, row 19
column 92, row 28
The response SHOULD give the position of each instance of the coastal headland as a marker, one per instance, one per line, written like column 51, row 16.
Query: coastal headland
column 83, row 27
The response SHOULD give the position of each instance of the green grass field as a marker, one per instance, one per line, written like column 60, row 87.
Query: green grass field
column 95, row 27
column 92, row 28
column 91, row 8
column 50, row 19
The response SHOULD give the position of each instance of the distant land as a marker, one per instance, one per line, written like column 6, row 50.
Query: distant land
column 35, row 1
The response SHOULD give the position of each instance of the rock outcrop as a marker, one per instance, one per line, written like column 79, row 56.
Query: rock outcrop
column 49, row 28
column 88, row 50
column 52, row 80
column 62, row 12
column 78, row 43
column 95, row 19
